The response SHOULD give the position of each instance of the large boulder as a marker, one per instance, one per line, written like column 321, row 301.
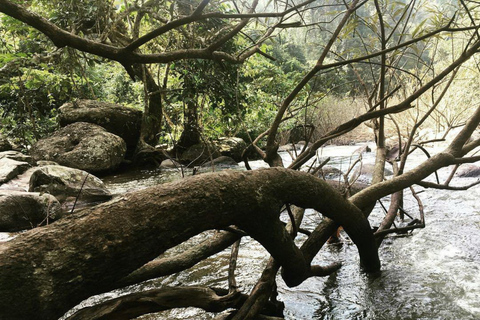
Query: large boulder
column 27, row 210
column 82, row 145
column 4, row 143
column 64, row 183
column 10, row 166
column 120, row 120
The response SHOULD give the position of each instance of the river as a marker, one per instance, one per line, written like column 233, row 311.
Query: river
column 431, row 273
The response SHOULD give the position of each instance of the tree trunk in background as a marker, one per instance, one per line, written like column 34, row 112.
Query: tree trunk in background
column 151, row 120
column 153, row 108
column 191, row 131
column 152, row 116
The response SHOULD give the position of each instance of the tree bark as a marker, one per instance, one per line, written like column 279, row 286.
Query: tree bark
column 46, row 271
column 152, row 115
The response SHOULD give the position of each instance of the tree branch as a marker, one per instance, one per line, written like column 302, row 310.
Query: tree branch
column 164, row 266
column 136, row 304
column 432, row 185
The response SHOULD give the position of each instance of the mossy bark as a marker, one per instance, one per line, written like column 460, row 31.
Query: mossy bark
column 46, row 271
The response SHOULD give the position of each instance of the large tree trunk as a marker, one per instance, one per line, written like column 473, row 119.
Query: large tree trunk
column 46, row 271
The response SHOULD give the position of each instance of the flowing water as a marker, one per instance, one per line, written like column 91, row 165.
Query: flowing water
column 431, row 273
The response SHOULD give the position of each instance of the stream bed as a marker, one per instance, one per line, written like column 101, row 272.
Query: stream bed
column 431, row 273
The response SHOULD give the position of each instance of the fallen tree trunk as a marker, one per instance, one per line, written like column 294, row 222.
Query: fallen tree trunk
column 46, row 271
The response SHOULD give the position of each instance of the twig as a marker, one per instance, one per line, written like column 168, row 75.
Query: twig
column 232, row 283
column 79, row 192
column 321, row 166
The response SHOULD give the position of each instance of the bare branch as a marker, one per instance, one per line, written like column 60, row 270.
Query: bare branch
column 271, row 149
column 342, row 129
column 432, row 185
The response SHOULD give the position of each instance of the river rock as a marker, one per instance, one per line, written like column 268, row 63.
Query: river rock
column 18, row 156
column 201, row 153
column 330, row 172
column 83, row 146
column 63, row 182
column 198, row 154
column 468, row 171
column 231, row 147
column 170, row 164
column 222, row 161
column 366, row 171
column 27, row 210
column 120, row 120
column 362, row 149
column 10, row 168
column 4, row 143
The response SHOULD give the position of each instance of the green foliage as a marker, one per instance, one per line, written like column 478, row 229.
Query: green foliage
column 268, row 82
column 229, row 99
column 109, row 82
column 28, row 102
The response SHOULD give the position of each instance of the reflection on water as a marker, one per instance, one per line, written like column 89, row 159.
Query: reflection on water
column 432, row 274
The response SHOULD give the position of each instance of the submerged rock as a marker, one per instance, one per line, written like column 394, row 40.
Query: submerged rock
column 83, row 146
column 300, row 133
column 120, row 120
column 27, row 210
column 64, row 183
column 366, row 170
column 170, row 164
column 222, row 161
column 329, row 172
column 468, row 171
